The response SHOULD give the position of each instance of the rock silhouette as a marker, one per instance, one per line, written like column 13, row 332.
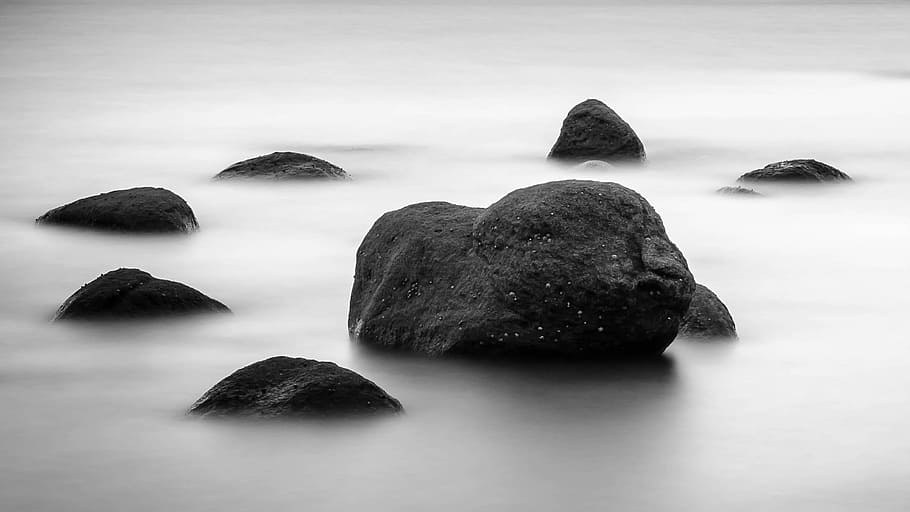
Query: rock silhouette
column 593, row 131
column 137, row 210
column 572, row 268
column 795, row 171
column 128, row 293
column 283, row 166
column 294, row 387
column 707, row 317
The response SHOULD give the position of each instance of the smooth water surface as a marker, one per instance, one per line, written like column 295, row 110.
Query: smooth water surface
column 456, row 102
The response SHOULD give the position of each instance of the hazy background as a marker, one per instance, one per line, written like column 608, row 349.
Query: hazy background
column 458, row 102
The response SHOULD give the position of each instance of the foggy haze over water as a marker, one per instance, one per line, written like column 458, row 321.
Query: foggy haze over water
column 456, row 102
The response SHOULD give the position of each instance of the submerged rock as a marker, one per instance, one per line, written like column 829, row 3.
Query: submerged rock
column 138, row 210
column 575, row 268
column 283, row 166
column 738, row 191
column 595, row 165
column 128, row 293
column 707, row 317
column 593, row 131
column 294, row 387
column 795, row 171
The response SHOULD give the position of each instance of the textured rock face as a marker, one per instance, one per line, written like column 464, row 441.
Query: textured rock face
column 795, row 171
column 283, row 166
column 707, row 317
column 738, row 191
column 575, row 268
column 138, row 210
column 129, row 293
column 294, row 387
column 593, row 131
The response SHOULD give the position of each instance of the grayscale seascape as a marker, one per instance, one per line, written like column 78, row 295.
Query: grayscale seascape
column 455, row 101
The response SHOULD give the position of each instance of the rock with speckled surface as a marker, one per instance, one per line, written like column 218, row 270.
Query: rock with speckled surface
column 573, row 268
column 293, row 387
column 135, row 210
column 129, row 293
column 283, row 166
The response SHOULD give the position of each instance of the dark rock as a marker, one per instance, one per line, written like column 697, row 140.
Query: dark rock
column 128, row 293
column 294, row 387
column 707, row 317
column 738, row 191
column 795, row 171
column 575, row 268
column 139, row 210
column 283, row 166
column 593, row 131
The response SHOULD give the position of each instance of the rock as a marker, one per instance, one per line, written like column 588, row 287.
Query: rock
column 738, row 191
column 795, row 171
column 595, row 165
column 283, row 166
column 707, row 317
column 294, row 387
column 593, row 131
column 128, row 293
column 573, row 268
column 139, row 210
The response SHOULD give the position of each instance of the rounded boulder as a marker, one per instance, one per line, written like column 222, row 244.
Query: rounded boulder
column 129, row 293
column 593, row 131
column 283, row 166
column 574, row 268
column 795, row 171
column 294, row 387
column 707, row 317
column 137, row 210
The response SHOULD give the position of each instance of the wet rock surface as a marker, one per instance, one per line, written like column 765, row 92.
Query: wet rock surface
column 294, row 387
column 137, row 210
column 573, row 268
column 129, row 293
column 707, row 317
column 795, row 171
column 593, row 131
column 283, row 166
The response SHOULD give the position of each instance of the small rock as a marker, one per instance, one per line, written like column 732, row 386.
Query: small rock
column 138, row 210
column 738, row 191
column 707, row 317
column 128, row 293
column 294, row 387
column 593, row 131
column 283, row 166
column 795, row 171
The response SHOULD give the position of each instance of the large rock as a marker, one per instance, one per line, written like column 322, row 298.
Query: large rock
column 139, row 210
column 129, row 293
column 593, row 131
column 283, row 166
column 707, row 317
column 795, row 171
column 294, row 387
column 577, row 268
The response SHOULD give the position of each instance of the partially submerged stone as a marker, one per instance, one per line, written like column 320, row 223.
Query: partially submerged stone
column 795, row 171
column 294, row 387
column 573, row 268
column 593, row 131
column 283, row 166
column 738, row 191
column 137, row 210
column 707, row 317
column 129, row 293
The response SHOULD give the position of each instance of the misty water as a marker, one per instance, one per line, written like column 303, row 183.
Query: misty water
column 457, row 102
